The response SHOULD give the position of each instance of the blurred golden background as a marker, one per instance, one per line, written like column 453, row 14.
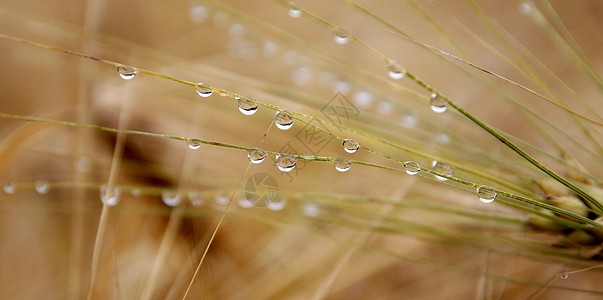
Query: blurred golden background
column 367, row 233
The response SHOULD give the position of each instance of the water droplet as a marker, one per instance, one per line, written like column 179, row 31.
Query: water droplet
column 170, row 197
column 109, row 196
column 409, row 121
column 385, row 108
column 564, row 274
column 196, row 198
column 194, row 143
column 9, row 187
column 342, row 165
column 135, row 192
column 412, row 168
column 286, row 163
column 311, row 210
column 350, row 146
column 198, row 13
column 442, row 168
column 126, row 72
column 83, row 164
column 525, row 8
column 203, row 89
column 277, row 205
column 341, row 37
column 363, row 99
column 245, row 203
column 41, row 186
column 294, row 12
column 307, row 156
column 486, row 194
column 395, row 71
column 236, row 30
column 222, row 200
column 438, row 104
column 247, row 107
column 256, row 156
column 283, row 119
column 302, row 76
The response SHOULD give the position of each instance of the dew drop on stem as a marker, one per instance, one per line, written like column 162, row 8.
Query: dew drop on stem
column 283, row 119
column 247, row 107
column 442, row 168
column 486, row 194
column 412, row 168
column 294, row 12
column 350, row 146
column 394, row 71
column 286, row 163
column 203, row 89
column 109, row 196
column 126, row 72
column 256, row 156
column 41, row 186
column 193, row 144
column 9, row 187
column 438, row 104
column 342, row 165
column 341, row 37
column 170, row 197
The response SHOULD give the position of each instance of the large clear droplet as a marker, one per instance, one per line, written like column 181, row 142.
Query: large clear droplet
column 283, row 119
column 109, row 196
column 126, row 72
column 286, row 163
column 350, row 146
column 196, row 198
column 394, row 71
column 275, row 205
column 442, row 168
column 341, row 37
column 294, row 12
column 193, row 143
column 342, row 165
column 564, row 274
column 438, row 104
column 256, row 156
column 412, row 168
column 170, row 197
column 9, row 187
column 41, row 186
column 486, row 194
column 247, row 107
column 203, row 89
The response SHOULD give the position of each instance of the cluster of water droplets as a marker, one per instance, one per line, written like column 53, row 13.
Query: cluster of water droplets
column 126, row 72
column 350, row 146
column 283, row 119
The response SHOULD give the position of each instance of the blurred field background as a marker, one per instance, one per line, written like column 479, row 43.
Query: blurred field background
column 368, row 233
